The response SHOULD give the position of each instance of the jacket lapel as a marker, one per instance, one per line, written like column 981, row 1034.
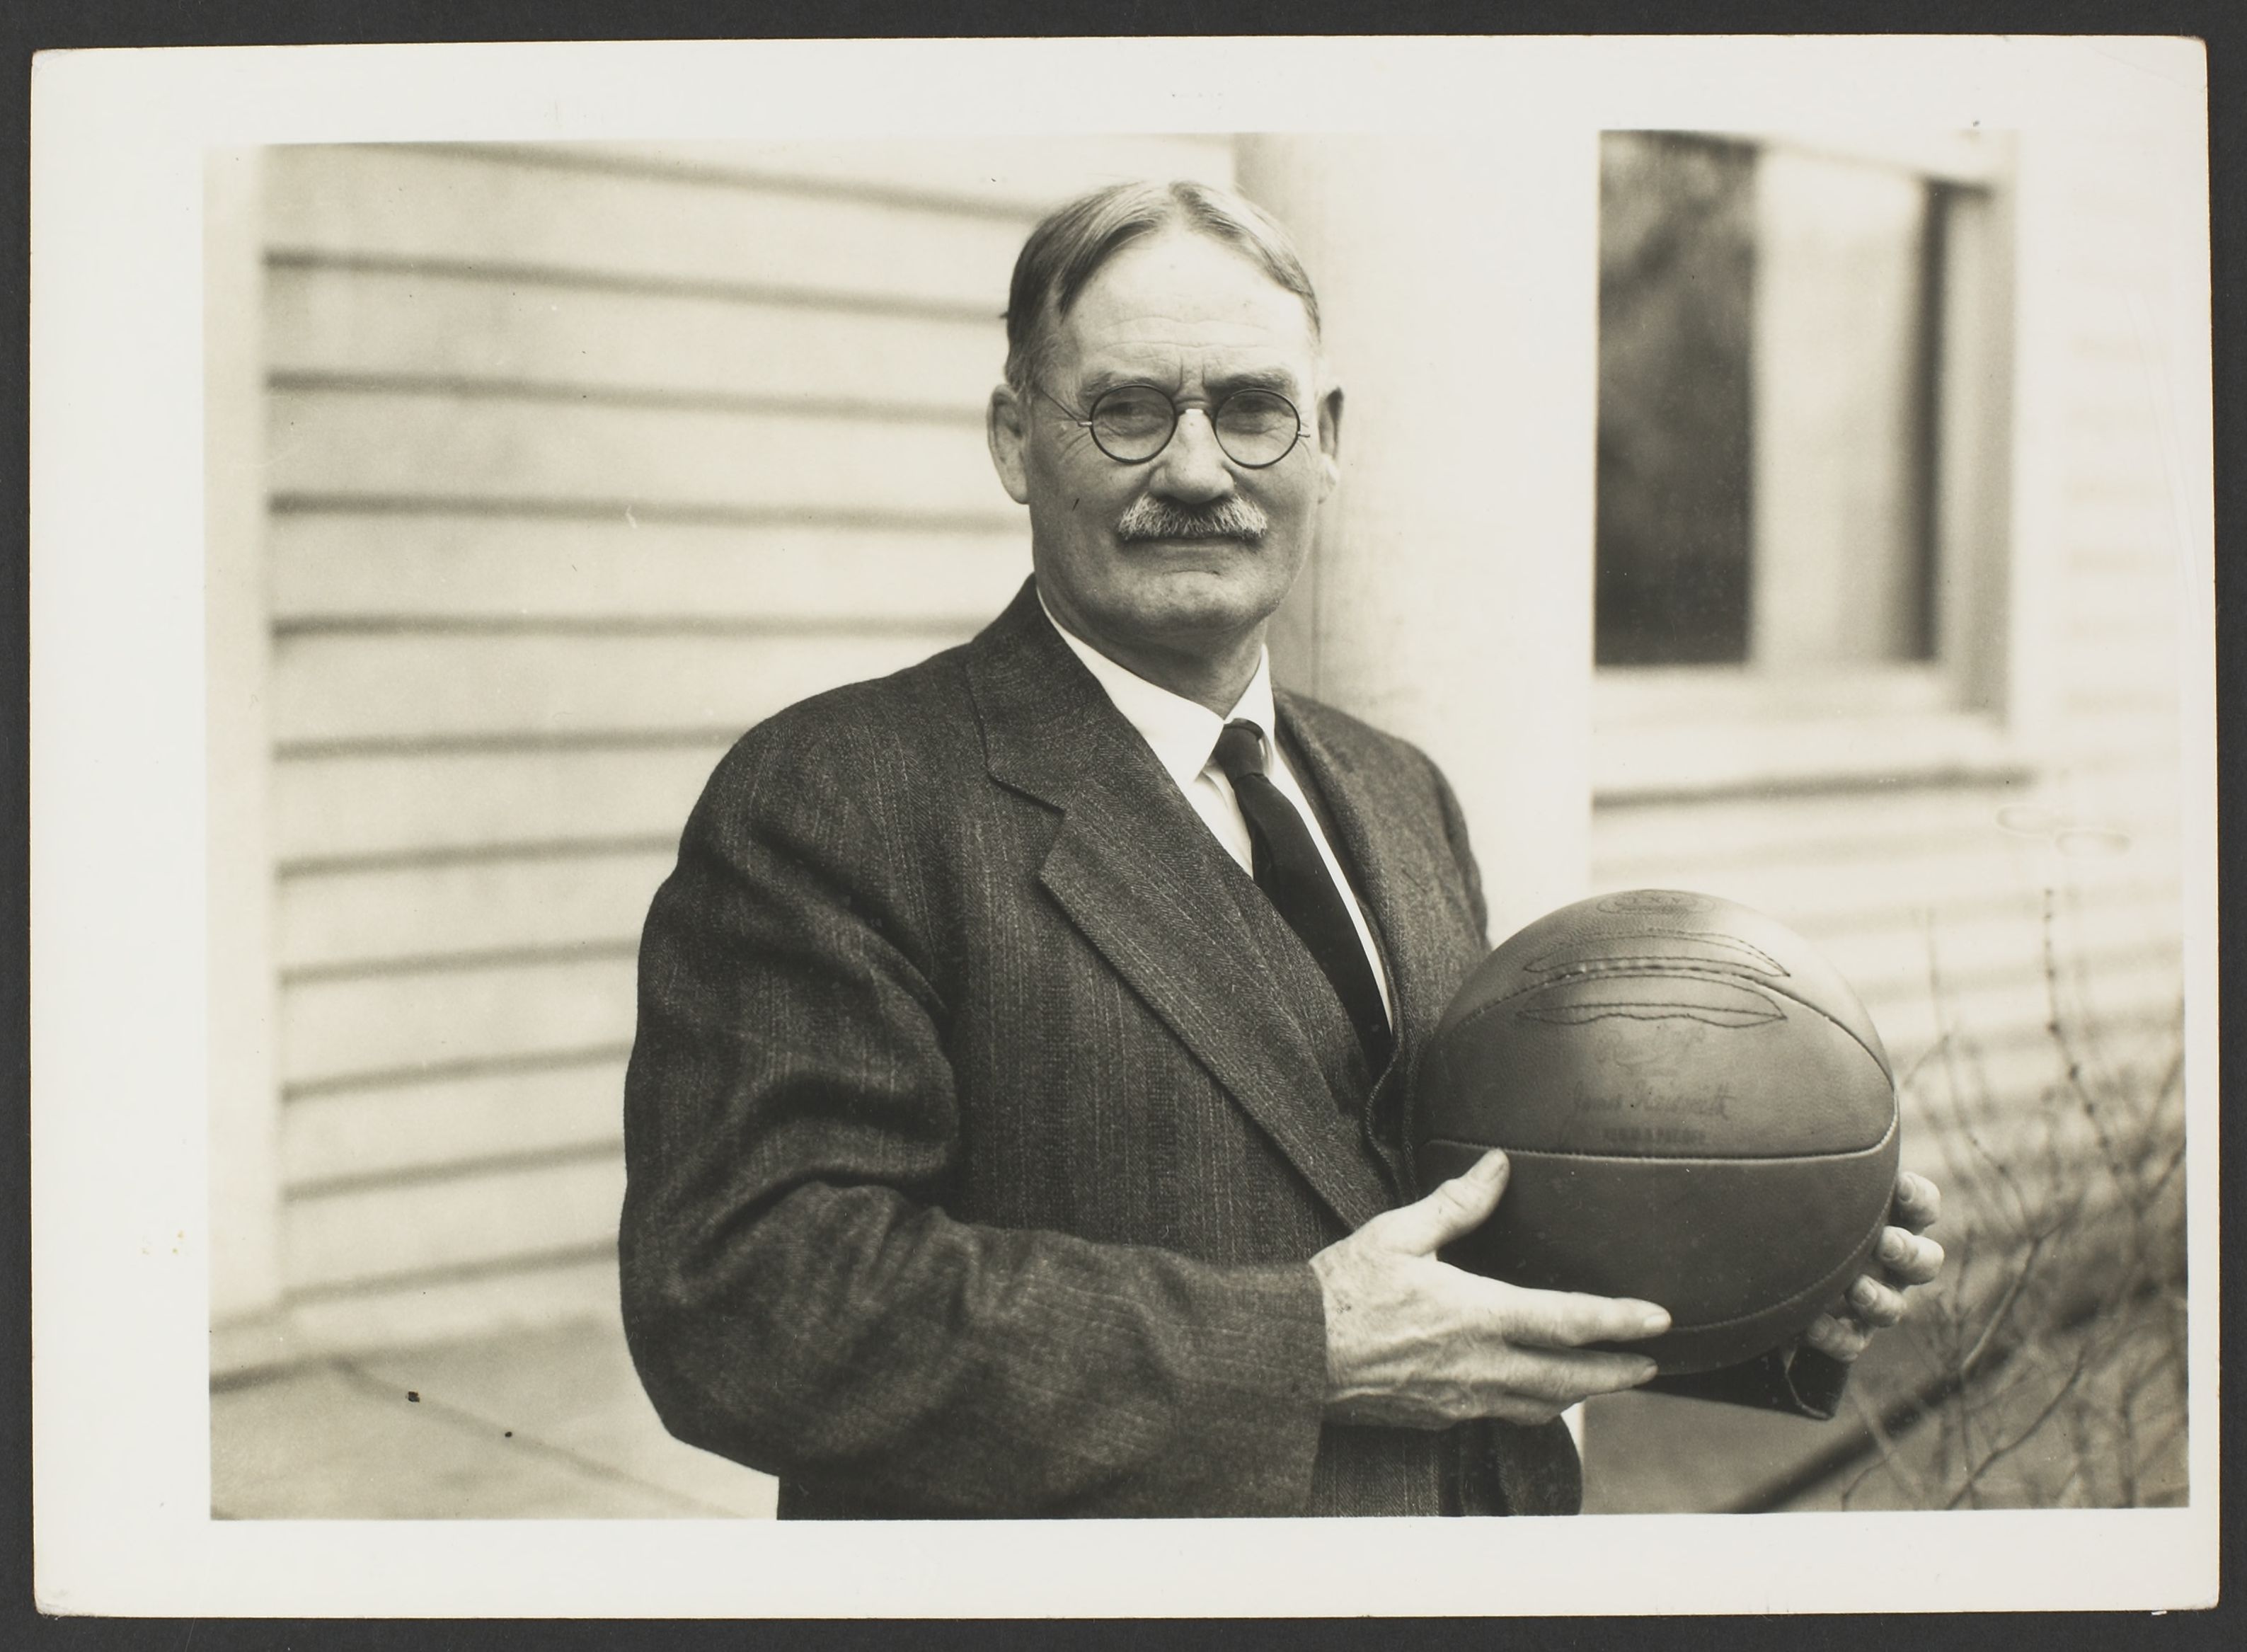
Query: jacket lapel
column 1402, row 870
column 1143, row 878
column 1383, row 850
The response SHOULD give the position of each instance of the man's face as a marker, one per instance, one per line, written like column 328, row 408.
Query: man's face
column 1123, row 553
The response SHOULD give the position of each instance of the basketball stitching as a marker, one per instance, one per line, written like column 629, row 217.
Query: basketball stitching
column 1481, row 1010
column 1578, row 1017
column 1777, row 968
column 1643, row 966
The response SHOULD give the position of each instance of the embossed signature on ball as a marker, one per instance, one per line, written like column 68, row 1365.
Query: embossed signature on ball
column 1657, row 900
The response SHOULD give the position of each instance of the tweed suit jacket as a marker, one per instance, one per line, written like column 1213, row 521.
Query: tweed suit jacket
column 982, row 1117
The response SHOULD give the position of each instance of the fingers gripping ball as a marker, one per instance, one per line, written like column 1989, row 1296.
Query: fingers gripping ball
column 1698, row 1111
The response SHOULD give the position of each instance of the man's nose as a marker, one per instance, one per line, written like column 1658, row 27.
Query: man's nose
column 1191, row 468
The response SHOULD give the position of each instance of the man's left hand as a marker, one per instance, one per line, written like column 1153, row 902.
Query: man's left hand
column 1906, row 1259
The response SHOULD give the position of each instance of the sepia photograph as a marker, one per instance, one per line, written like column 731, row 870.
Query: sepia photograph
column 1455, row 813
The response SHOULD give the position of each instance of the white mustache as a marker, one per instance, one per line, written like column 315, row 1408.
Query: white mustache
column 1151, row 518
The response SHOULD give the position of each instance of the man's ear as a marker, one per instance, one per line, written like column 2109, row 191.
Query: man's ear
column 1005, row 428
column 1330, row 438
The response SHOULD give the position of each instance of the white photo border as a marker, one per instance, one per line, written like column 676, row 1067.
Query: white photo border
column 121, row 1293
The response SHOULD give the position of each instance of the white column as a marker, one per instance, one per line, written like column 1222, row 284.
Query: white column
column 244, row 1116
column 1449, row 598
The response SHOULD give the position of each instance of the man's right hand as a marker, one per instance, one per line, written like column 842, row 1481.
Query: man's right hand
column 1414, row 1342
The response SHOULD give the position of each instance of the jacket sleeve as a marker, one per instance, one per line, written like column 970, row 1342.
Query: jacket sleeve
column 797, row 1297
column 1803, row 1383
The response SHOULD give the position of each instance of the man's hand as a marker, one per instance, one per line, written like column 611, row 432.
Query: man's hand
column 1906, row 1260
column 1413, row 1342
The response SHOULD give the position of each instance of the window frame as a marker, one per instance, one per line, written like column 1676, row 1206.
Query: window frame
column 1663, row 731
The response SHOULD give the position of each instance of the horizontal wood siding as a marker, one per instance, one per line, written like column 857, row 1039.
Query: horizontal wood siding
column 582, row 459
column 1984, row 910
column 344, row 569
column 495, row 686
column 344, row 810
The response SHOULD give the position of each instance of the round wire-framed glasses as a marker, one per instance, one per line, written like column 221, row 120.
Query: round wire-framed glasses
column 1132, row 423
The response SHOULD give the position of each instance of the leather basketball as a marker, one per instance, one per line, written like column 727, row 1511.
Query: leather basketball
column 1698, row 1111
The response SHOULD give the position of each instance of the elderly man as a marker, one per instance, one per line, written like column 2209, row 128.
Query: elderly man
column 1013, row 1120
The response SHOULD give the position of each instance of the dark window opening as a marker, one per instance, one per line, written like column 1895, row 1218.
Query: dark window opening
column 1771, row 360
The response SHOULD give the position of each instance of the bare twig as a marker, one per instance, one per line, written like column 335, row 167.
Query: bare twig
column 2060, row 1316
column 1889, row 1457
column 2000, row 1453
column 1971, row 1360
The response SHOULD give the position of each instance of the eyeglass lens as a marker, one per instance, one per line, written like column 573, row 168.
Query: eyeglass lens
column 1256, row 428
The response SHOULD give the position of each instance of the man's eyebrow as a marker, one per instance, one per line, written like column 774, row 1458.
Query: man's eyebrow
column 1101, row 379
column 1278, row 379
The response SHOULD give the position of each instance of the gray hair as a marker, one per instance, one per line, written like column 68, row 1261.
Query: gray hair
column 1072, row 242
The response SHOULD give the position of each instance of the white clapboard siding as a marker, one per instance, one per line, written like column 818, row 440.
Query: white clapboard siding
column 2117, row 732
column 1003, row 175
column 2128, row 989
column 1823, row 895
column 2133, row 540
column 451, row 1222
column 403, row 1129
column 341, row 567
column 2048, row 1140
column 2132, row 595
column 1904, row 959
column 2121, row 669
column 345, row 919
column 584, row 458
column 1841, row 750
column 411, row 685
column 519, row 1295
column 2132, row 645
column 1823, row 828
column 339, row 448
column 1819, row 897
column 1979, row 1081
column 427, row 203
column 352, row 810
column 342, row 323
column 2111, row 471
column 342, row 1031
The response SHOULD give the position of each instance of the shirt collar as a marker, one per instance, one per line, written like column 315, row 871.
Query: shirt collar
column 1181, row 731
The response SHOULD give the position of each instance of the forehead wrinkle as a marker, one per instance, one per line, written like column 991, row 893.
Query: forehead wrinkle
column 1216, row 369
column 1177, row 311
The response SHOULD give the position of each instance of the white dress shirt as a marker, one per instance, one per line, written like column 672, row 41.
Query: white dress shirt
column 1183, row 734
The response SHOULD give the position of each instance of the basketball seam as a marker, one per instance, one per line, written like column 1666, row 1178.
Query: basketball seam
column 1708, row 972
column 1732, row 941
column 1895, row 1123
column 1784, row 1303
column 1719, row 975
column 1630, row 1012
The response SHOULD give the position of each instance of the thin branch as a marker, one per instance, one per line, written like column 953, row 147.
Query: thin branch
column 2071, row 1060
column 1972, row 1359
column 1997, row 1456
column 1889, row 1457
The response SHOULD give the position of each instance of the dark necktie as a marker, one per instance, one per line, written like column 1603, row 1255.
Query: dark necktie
column 1290, row 869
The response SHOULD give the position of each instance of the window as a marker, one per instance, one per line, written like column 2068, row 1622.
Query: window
column 1801, row 446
